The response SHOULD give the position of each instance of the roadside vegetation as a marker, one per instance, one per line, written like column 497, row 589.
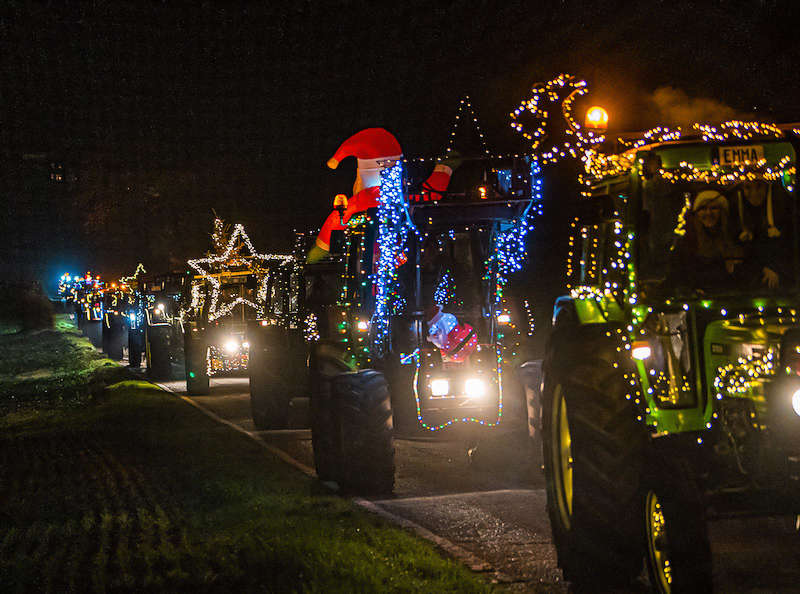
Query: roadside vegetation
column 133, row 490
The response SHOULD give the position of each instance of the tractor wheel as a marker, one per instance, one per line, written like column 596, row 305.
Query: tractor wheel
column 325, row 436
column 530, row 374
column 114, row 340
column 196, row 364
column 364, row 413
column 93, row 330
column 678, row 549
column 594, row 451
column 135, row 348
column 157, row 352
column 269, row 394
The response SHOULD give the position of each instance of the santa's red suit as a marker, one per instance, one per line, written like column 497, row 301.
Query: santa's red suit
column 376, row 149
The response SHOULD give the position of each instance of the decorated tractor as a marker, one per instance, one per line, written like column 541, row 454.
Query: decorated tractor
column 85, row 294
column 278, row 345
column 671, row 386
column 405, row 323
column 228, row 290
column 119, row 302
column 154, row 324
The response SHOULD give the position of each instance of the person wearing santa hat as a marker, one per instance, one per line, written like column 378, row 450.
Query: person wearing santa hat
column 456, row 341
column 375, row 149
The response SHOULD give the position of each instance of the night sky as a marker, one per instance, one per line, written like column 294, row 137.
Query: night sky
column 160, row 113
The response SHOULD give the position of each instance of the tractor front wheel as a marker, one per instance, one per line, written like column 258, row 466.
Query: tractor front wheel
column 678, row 550
column 594, row 451
column 325, row 435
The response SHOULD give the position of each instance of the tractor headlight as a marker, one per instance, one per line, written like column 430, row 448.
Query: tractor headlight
column 796, row 402
column 440, row 387
column 475, row 388
column 231, row 346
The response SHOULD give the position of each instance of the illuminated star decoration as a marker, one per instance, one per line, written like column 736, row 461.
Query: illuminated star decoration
column 231, row 257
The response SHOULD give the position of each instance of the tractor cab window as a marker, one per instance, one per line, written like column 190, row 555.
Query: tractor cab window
column 452, row 269
column 715, row 240
column 234, row 291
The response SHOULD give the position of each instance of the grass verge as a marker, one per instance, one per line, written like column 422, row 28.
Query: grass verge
column 139, row 492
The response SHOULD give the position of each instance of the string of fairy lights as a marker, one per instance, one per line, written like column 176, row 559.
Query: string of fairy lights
column 227, row 260
column 598, row 271
column 466, row 106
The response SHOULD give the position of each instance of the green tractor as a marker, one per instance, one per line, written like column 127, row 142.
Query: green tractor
column 671, row 382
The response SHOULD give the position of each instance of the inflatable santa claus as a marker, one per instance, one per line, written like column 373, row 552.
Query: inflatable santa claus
column 456, row 341
column 375, row 149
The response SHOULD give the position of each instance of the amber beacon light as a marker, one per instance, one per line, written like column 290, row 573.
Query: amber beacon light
column 596, row 118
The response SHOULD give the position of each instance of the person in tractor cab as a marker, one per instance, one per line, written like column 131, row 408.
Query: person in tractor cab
column 760, row 237
column 705, row 258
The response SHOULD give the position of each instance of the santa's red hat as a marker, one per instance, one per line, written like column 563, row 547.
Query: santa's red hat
column 372, row 147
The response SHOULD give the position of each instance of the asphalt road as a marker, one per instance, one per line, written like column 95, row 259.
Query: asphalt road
column 494, row 507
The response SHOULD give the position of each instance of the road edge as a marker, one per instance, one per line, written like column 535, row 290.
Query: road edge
column 472, row 561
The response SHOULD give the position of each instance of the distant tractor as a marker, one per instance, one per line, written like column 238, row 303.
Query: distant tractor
column 85, row 293
column 114, row 328
column 157, row 332
column 278, row 348
column 227, row 292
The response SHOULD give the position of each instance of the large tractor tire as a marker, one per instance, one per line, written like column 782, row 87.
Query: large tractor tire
column 594, row 452
column 270, row 392
column 196, row 365
column 114, row 337
column 325, row 431
column 364, row 413
column 93, row 330
column 530, row 374
column 135, row 347
column 678, row 549
column 157, row 354
column 404, row 404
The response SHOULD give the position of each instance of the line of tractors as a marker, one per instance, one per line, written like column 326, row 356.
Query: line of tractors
column 669, row 393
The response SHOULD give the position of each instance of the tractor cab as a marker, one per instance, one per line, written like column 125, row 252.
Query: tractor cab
column 417, row 292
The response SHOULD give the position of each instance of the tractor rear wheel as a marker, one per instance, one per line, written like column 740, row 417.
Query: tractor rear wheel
column 196, row 365
column 364, row 413
column 325, row 436
column 157, row 352
column 269, row 394
column 93, row 330
column 594, row 451
column 135, row 339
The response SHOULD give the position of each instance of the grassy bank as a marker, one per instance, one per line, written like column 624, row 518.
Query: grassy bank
column 137, row 491
column 40, row 369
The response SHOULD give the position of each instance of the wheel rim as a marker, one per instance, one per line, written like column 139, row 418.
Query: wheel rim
column 657, row 548
column 562, row 458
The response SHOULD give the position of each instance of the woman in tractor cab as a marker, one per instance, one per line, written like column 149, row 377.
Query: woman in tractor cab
column 705, row 257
